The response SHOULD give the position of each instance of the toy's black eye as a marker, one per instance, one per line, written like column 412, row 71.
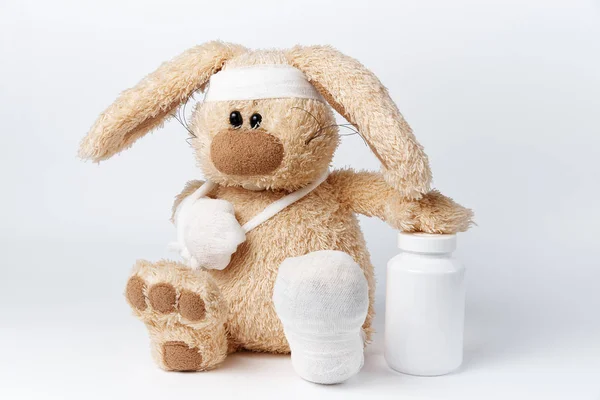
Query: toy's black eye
column 235, row 119
column 255, row 120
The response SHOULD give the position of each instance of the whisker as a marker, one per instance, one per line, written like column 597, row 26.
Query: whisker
column 350, row 127
column 353, row 128
column 309, row 113
column 178, row 119
column 180, row 115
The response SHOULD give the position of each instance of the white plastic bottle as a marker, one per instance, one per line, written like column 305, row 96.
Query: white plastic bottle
column 425, row 304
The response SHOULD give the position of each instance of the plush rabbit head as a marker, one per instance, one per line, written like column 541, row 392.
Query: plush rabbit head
column 266, row 122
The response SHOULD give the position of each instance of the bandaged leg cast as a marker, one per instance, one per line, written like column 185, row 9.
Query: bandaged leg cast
column 322, row 299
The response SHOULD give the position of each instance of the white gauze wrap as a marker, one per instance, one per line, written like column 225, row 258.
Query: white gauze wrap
column 322, row 299
column 256, row 82
column 208, row 232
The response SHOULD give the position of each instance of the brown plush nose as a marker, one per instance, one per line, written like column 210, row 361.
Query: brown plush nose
column 246, row 152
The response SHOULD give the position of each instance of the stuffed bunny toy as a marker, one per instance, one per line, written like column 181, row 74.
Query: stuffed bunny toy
column 273, row 258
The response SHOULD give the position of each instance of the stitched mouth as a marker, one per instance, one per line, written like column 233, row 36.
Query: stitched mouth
column 246, row 152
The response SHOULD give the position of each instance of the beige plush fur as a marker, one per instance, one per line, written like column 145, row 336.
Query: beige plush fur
column 239, row 309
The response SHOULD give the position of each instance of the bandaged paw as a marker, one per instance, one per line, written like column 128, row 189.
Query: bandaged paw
column 207, row 233
column 322, row 300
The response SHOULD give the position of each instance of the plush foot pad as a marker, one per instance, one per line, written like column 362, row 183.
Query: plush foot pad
column 178, row 356
column 135, row 293
column 163, row 298
column 322, row 301
column 184, row 312
column 191, row 306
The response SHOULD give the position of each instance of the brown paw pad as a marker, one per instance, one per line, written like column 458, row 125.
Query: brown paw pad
column 162, row 297
column 178, row 356
column 135, row 292
column 191, row 306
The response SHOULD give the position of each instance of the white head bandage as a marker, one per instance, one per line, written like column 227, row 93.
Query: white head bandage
column 260, row 82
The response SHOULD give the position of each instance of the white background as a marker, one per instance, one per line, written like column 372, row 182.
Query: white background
column 505, row 97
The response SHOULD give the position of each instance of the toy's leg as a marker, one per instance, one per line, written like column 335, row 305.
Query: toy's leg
column 184, row 312
column 322, row 299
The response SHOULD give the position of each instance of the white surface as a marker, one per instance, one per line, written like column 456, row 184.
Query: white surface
column 425, row 306
column 503, row 95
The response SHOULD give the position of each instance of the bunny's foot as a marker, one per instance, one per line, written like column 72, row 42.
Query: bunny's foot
column 184, row 312
column 322, row 300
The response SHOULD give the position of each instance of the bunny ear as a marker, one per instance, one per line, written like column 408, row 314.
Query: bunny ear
column 145, row 106
column 357, row 94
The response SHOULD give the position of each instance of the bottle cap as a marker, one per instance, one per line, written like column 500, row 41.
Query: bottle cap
column 426, row 242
